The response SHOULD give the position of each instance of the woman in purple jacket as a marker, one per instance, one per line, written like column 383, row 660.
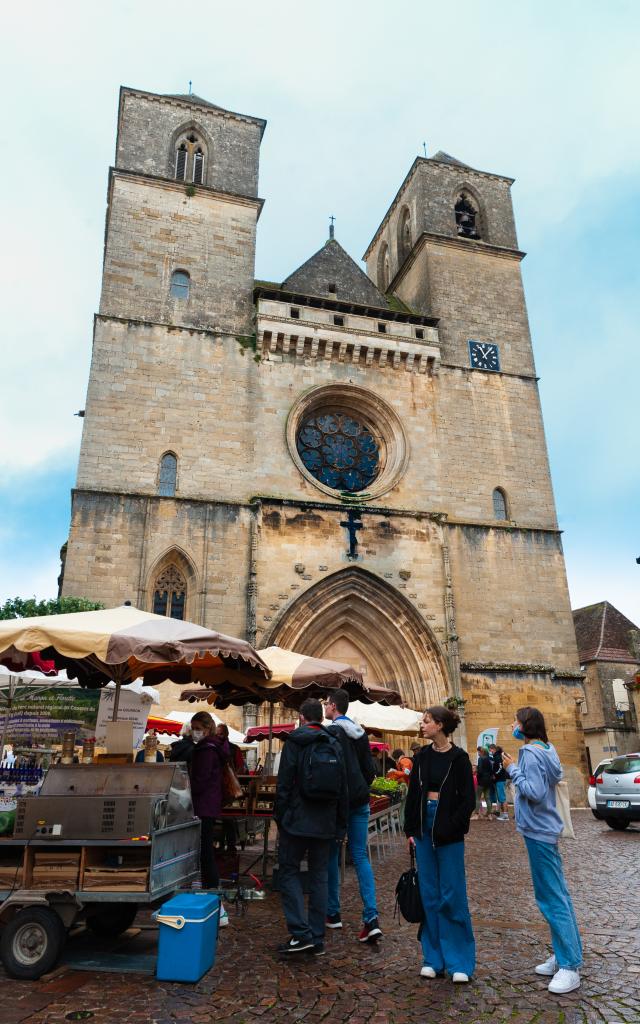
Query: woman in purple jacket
column 205, row 770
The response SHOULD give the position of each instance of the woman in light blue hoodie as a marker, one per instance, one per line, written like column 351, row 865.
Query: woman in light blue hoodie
column 535, row 778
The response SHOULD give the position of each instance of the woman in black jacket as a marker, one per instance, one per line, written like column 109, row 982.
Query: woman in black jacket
column 439, row 806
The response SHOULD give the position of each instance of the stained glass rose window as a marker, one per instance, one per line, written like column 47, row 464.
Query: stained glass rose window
column 338, row 450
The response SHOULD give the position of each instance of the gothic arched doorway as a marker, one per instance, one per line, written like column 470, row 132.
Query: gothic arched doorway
column 356, row 617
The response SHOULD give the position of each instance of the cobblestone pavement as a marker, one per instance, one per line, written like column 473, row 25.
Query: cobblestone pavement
column 381, row 985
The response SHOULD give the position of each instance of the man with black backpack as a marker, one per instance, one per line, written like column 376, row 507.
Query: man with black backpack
column 311, row 813
column 360, row 774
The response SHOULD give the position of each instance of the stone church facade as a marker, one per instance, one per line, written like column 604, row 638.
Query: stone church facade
column 341, row 463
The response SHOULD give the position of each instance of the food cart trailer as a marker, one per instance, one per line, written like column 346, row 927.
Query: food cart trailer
column 95, row 844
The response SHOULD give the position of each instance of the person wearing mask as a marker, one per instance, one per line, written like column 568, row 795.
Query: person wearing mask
column 210, row 752
column 439, row 806
column 356, row 752
column 499, row 780
column 310, row 810
column 182, row 749
column 535, row 778
column 484, row 776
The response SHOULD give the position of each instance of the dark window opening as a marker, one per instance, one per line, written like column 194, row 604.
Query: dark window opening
column 180, row 284
column 181, row 162
column 170, row 593
column 198, row 166
column 332, row 287
column 499, row 504
column 339, row 450
column 168, row 475
column 382, row 328
column 294, row 313
column 419, row 333
column 338, row 321
column 466, row 218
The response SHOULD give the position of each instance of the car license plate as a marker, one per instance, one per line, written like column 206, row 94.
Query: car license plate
column 618, row 803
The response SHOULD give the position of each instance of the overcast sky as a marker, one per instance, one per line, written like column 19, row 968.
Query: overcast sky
column 545, row 92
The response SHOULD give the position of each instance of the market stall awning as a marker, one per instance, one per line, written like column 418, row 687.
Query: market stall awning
column 293, row 678
column 399, row 720
column 163, row 725
column 124, row 643
column 261, row 732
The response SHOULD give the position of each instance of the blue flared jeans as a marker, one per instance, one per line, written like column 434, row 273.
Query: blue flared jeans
column 446, row 934
column 357, row 835
column 554, row 902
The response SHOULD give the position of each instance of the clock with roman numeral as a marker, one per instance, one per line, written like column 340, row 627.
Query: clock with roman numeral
column 484, row 356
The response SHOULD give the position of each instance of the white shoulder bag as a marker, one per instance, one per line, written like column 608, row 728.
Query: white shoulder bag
column 563, row 807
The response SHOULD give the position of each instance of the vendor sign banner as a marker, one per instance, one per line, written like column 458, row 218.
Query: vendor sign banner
column 39, row 714
column 488, row 736
column 132, row 707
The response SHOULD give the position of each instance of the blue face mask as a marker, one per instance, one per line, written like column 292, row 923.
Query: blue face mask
column 518, row 733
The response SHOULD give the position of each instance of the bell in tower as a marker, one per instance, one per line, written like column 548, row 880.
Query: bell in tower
column 466, row 217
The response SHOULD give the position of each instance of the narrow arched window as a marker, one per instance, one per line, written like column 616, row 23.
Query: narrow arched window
column 170, row 593
column 467, row 219
column 167, row 475
column 181, row 161
column 499, row 504
column 190, row 157
column 404, row 234
column 180, row 284
column 198, row 166
column 383, row 268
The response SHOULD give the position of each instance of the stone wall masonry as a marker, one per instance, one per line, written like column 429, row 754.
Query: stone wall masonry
column 155, row 228
column 119, row 543
column 154, row 389
column 476, row 295
column 493, row 698
column 315, row 540
column 468, row 433
column 511, row 597
column 148, row 124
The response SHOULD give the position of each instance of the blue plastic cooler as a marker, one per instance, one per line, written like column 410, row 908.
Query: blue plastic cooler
column 188, row 935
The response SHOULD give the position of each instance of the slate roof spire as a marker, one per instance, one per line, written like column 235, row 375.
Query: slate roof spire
column 331, row 271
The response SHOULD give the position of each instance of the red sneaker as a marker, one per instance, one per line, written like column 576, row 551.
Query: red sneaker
column 371, row 931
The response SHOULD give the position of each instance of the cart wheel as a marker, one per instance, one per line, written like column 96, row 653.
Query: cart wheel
column 111, row 919
column 32, row 942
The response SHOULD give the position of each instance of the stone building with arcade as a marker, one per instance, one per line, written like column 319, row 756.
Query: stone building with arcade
column 345, row 463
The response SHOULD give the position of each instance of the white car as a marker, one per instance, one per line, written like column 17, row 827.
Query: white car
column 591, row 792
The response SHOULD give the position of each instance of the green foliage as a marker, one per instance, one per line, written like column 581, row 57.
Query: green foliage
column 24, row 608
column 387, row 786
column 190, row 191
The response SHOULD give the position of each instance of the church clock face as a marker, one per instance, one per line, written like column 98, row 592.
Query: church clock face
column 484, row 356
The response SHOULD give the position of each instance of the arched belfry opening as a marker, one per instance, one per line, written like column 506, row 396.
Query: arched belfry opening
column 355, row 616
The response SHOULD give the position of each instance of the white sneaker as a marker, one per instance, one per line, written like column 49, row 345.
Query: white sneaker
column 564, row 981
column 548, row 968
column 458, row 978
column 427, row 972
column 224, row 918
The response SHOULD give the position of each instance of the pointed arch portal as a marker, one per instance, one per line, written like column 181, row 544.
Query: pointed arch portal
column 357, row 617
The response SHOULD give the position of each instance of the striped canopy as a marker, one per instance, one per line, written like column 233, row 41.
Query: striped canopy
column 293, row 678
column 125, row 643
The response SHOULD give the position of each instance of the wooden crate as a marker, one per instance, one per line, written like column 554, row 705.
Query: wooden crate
column 113, row 869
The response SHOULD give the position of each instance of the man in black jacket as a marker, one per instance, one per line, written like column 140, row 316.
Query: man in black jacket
column 311, row 813
column 360, row 774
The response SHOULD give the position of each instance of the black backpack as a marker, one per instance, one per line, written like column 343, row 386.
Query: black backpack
column 320, row 775
column 408, row 900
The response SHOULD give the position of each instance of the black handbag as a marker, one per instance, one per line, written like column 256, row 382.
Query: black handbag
column 408, row 900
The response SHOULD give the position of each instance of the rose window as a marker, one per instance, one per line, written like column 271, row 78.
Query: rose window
column 338, row 450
